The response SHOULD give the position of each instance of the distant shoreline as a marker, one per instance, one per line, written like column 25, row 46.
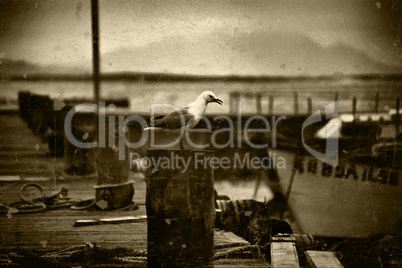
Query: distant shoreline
column 166, row 77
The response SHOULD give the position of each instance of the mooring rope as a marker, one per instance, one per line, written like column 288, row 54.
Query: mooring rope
column 236, row 250
column 132, row 259
column 141, row 257
column 220, row 255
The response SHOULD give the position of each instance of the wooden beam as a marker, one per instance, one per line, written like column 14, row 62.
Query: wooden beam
column 284, row 253
column 322, row 259
column 116, row 220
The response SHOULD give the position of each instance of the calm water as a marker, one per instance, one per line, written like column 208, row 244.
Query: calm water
column 142, row 95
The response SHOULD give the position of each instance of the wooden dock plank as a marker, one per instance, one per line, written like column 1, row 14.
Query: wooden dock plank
column 322, row 259
column 284, row 254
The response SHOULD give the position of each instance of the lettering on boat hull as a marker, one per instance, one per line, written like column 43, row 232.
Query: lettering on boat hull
column 348, row 171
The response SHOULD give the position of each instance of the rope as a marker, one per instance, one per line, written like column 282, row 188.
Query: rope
column 230, row 245
column 27, row 208
column 141, row 257
column 221, row 255
column 132, row 259
column 77, row 207
column 41, row 203
column 68, row 252
column 26, row 199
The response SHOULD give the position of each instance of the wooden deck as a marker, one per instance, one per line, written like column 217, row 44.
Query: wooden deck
column 54, row 229
column 24, row 156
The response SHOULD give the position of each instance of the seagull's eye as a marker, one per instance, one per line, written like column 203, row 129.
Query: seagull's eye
column 210, row 96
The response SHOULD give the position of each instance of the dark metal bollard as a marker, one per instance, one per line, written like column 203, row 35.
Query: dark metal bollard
column 180, row 210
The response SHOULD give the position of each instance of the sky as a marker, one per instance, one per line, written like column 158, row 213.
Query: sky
column 205, row 37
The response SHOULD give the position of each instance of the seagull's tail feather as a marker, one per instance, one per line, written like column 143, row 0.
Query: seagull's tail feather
column 154, row 128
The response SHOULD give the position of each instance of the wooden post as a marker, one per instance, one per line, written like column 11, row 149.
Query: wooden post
column 258, row 103
column 354, row 106
column 180, row 210
column 336, row 100
column 309, row 105
column 113, row 190
column 397, row 119
column 296, row 103
column 234, row 102
column 231, row 102
column 271, row 105
column 112, row 187
column 80, row 161
column 95, row 48
column 377, row 102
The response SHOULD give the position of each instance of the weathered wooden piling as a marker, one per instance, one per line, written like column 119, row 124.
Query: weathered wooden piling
column 377, row 102
column 296, row 103
column 234, row 102
column 80, row 161
column 309, row 105
column 44, row 121
column 180, row 209
column 397, row 116
column 112, row 166
column 354, row 106
column 271, row 104
column 258, row 99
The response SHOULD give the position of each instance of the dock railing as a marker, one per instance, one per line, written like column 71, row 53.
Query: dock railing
column 268, row 98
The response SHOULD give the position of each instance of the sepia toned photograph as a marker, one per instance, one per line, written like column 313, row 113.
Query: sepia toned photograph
column 224, row 133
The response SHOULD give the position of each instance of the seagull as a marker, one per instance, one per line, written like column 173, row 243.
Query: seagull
column 191, row 114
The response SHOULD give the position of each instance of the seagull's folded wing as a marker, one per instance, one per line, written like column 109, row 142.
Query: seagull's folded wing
column 176, row 119
column 157, row 121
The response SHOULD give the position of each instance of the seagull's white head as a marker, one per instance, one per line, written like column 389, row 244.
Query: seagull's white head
column 209, row 96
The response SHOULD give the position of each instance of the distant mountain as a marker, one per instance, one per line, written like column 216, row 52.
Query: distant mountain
column 16, row 68
column 295, row 53
column 236, row 54
column 9, row 66
column 244, row 54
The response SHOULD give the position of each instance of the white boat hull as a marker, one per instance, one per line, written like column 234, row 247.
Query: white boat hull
column 337, row 204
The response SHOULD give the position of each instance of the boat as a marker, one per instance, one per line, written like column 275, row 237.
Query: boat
column 360, row 195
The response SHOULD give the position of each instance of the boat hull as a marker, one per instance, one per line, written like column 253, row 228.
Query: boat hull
column 351, row 200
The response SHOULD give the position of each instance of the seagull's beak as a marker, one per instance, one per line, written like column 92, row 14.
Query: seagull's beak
column 218, row 101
